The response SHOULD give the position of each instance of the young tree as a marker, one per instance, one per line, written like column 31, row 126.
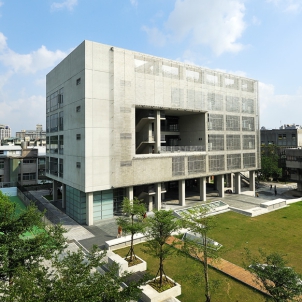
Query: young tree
column 24, row 239
column 133, row 222
column 71, row 277
column 160, row 228
column 196, row 220
column 272, row 274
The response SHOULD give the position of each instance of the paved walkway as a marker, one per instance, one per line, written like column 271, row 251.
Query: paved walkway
column 107, row 229
column 228, row 268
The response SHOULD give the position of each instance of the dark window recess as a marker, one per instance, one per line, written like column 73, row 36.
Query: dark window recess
column 78, row 136
column 78, row 81
column 78, row 164
column 78, row 108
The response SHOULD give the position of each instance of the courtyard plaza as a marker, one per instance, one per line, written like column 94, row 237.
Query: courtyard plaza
column 105, row 230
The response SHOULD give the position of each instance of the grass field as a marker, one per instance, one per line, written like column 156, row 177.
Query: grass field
column 20, row 207
column 279, row 231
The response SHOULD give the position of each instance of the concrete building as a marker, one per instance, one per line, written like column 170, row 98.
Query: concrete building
column 122, row 123
column 294, row 166
column 23, row 165
column 33, row 137
column 287, row 136
column 5, row 132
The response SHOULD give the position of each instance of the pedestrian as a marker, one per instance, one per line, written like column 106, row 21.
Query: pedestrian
column 119, row 232
column 257, row 195
column 275, row 192
column 271, row 186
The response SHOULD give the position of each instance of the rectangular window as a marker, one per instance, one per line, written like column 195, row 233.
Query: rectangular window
column 29, row 161
column 1, row 165
column 78, row 81
column 54, row 123
column 78, row 136
column 61, row 167
column 53, row 166
column 61, row 144
column 78, row 164
column 61, row 121
column 54, row 144
column 29, row 176
column 78, row 109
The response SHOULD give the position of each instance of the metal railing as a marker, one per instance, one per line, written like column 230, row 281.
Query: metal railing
column 7, row 184
column 165, row 149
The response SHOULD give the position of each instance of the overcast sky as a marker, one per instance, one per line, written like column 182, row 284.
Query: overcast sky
column 259, row 39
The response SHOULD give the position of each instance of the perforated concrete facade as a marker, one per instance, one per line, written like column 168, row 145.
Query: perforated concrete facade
column 128, row 119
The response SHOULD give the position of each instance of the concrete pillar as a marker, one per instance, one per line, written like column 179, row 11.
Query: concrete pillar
column 150, row 205
column 182, row 192
column 129, row 192
column 157, row 132
column 252, row 180
column 215, row 182
column 89, row 208
column 237, row 183
column 229, row 180
column 203, row 188
column 220, row 185
column 54, row 190
column 157, row 196
column 63, row 196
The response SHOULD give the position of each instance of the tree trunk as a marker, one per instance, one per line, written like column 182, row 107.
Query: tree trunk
column 131, row 244
column 161, row 270
column 205, row 263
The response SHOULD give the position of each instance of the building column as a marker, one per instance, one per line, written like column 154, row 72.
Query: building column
column 252, row 180
column 89, row 208
column 237, row 183
column 157, row 132
column 63, row 196
column 203, row 188
column 229, row 181
column 215, row 182
column 220, row 185
column 182, row 192
column 129, row 192
column 150, row 205
column 54, row 190
column 157, row 196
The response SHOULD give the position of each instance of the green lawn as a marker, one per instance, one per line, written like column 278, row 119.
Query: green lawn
column 187, row 272
column 20, row 207
column 279, row 231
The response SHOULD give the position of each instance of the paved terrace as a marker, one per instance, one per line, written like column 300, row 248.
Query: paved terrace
column 107, row 229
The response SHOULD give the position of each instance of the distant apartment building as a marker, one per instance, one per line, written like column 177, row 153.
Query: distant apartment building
column 5, row 132
column 25, row 166
column 33, row 137
column 121, row 124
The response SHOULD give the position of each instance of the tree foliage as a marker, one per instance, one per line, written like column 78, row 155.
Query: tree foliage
column 196, row 220
column 24, row 239
column 133, row 222
column 71, row 277
column 274, row 276
column 269, row 162
column 160, row 228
